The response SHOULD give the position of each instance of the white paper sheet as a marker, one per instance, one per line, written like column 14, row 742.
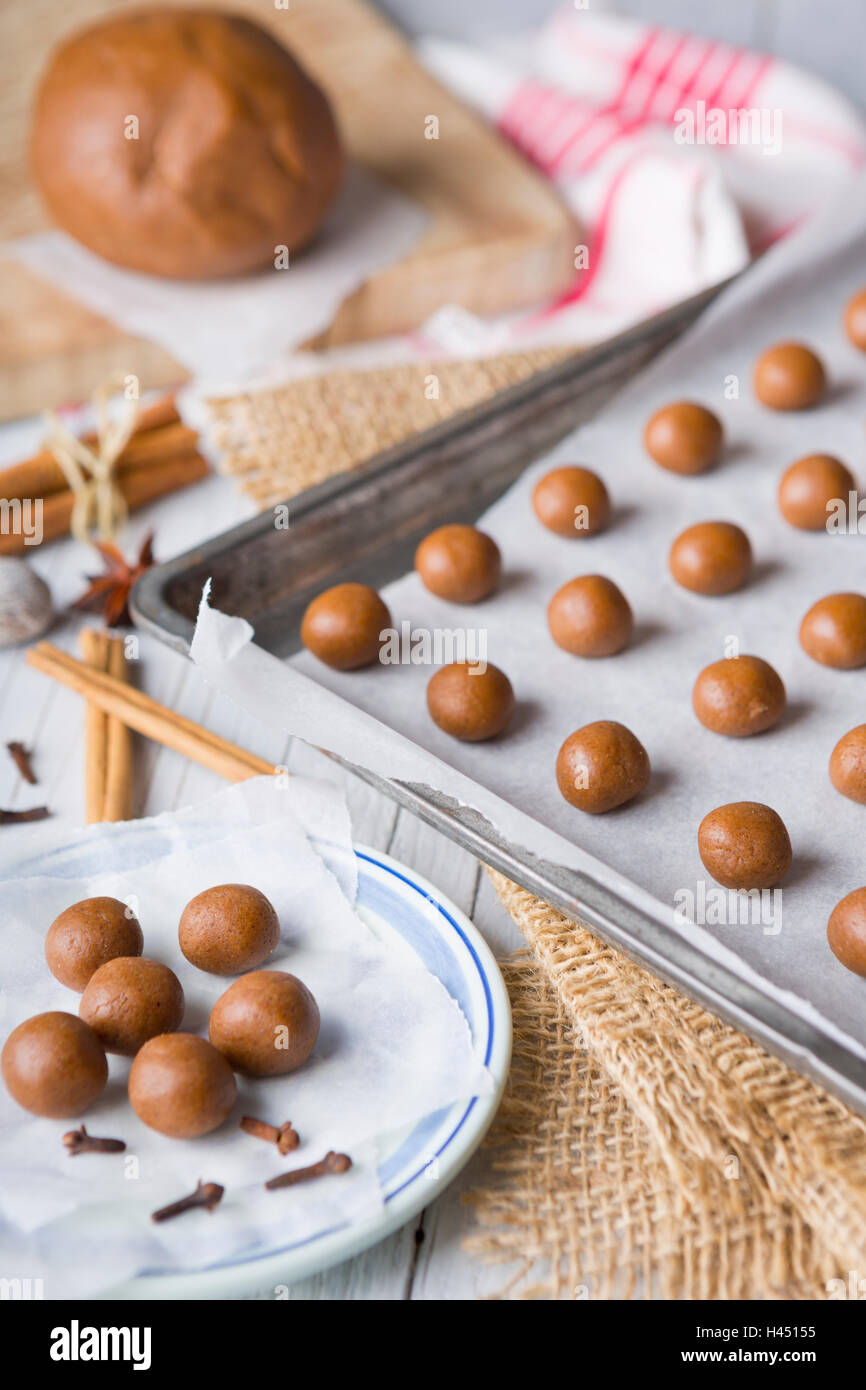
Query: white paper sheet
column 225, row 332
column 798, row 290
column 393, row 1047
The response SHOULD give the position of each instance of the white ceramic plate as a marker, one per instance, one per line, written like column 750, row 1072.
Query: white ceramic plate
column 417, row 1164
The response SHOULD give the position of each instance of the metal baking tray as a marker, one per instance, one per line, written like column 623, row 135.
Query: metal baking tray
column 365, row 525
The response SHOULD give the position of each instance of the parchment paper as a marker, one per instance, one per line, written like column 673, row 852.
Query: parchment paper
column 393, row 1047
column 649, row 847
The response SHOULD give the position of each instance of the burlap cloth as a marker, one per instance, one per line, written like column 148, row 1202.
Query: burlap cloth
column 643, row 1148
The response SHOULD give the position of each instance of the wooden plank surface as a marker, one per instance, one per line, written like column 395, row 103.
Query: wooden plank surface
column 499, row 237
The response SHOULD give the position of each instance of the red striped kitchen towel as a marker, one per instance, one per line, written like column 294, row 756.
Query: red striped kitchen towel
column 681, row 157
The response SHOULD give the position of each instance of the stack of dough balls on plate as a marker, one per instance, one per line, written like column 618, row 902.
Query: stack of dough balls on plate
column 265, row 1024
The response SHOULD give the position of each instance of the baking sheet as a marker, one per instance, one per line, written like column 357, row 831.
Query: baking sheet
column 799, row 290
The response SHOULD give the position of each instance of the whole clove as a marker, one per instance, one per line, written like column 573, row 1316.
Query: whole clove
column 207, row 1195
column 21, row 758
column 78, row 1141
column 331, row 1163
column 284, row 1136
column 15, row 817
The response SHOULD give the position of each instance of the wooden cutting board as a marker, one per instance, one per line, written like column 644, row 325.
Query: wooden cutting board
column 499, row 237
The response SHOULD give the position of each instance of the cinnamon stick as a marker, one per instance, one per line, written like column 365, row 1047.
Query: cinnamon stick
column 147, row 716
column 139, row 486
column 118, row 770
column 94, row 650
column 159, row 430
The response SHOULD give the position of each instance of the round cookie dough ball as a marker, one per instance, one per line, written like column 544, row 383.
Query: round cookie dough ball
column 572, row 502
column 131, row 999
column 181, row 1085
column 589, row 616
column 344, row 626
column 809, row 487
column 54, row 1065
column 744, row 845
column 237, row 152
column 601, row 766
column 834, row 631
column 228, row 929
column 459, row 563
column 848, row 765
column 739, row 696
column 265, row 1024
column 846, row 931
column 684, row 437
column 855, row 319
column 712, row 557
column 88, row 934
column 470, row 702
column 789, row 376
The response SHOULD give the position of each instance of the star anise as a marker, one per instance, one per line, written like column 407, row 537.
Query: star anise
column 108, row 593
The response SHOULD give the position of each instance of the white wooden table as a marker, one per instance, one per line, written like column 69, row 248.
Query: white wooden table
column 424, row 1260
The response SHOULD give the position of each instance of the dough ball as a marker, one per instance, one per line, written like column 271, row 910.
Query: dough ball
column 789, row 376
column 810, row 486
column 745, row 845
column 712, row 557
column 846, row 931
column 88, row 934
column 459, row 563
column 855, row 319
column 572, row 502
column 343, row 626
column 848, row 764
column 234, row 150
column 54, row 1065
column 131, row 999
column 684, row 438
column 834, row 631
column 228, row 929
column 181, row 1085
column 590, row 617
column 265, row 1024
column 739, row 696
column 601, row 766
column 468, row 702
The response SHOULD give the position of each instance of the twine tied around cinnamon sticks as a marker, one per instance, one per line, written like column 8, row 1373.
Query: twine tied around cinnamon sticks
column 98, row 502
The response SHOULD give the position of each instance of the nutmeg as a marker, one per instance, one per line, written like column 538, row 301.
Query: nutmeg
column 469, row 701
column 745, row 845
column 739, row 696
column 834, row 631
column 601, row 766
column 684, row 437
column 572, row 501
column 711, row 557
column 459, row 563
column 589, row 616
column 345, row 626
column 809, row 487
column 789, row 376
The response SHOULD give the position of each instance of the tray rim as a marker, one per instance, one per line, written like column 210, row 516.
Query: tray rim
column 812, row 1049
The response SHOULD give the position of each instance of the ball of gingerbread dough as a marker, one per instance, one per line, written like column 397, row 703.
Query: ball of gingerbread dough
column 712, row 557
column 265, row 1024
column 848, row 764
column 572, row 502
column 809, row 488
column 745, row 845
column 739, row 696
column 684, row 437
column 180, row 1085
column 234, row 155
column 469, row 703
column 131, row 999
column 846, row 931
column 228, row 929
column 834, row 631
column 88, row 934
column 855, row 319
column 459, row 563
column 590, row 616
column 789, row 376
column 601, row 766
column 344, row 626
column 54, row 1065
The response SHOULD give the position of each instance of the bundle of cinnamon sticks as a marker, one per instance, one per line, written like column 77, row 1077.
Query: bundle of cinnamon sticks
column 160, row 457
